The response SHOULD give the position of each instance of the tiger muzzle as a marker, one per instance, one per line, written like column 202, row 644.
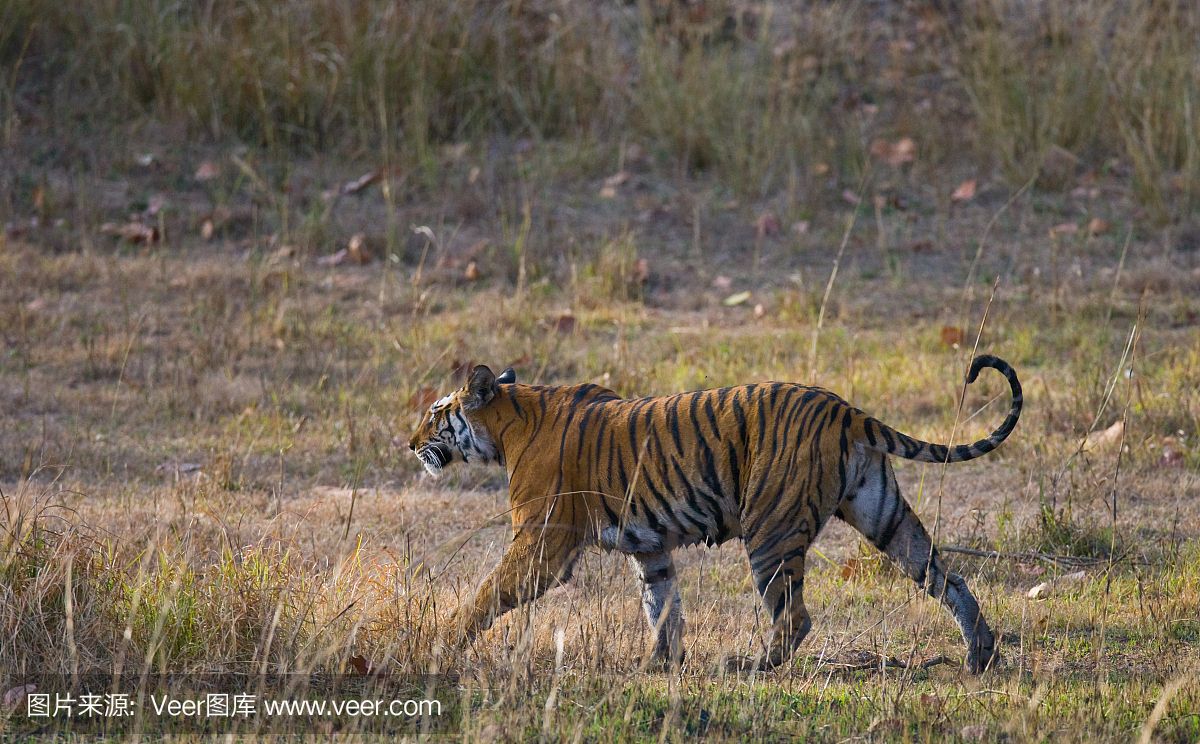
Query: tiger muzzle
column 437, row 455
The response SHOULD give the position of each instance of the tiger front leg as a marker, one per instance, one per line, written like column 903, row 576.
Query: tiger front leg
column 661, row 603
column 531, row 565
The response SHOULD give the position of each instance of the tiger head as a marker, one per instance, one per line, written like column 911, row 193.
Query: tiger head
column 450, row 431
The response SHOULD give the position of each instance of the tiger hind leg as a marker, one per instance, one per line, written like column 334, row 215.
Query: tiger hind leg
column 660, row 600
column 880, row 513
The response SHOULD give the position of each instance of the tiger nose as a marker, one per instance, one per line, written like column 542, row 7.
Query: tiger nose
column 412, row 446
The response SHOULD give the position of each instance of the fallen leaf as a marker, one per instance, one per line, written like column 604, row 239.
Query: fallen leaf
column 360, row 665
column 471, row 273
column 145, row 160
column 850, row 197
column 850, row 568
column 423, row 398
column 722, row 282
column 1110, row 437
column 767, row 225
column 856, row 568
column 964, row 192
column 952, row 336
column 207, row 229
column 154, row 205
column 895, row 154
column 1172, row 454
column 457, row 151
column 618, row 178
column 473, row 174
column 932, row 703
column 800, row 227
column 820, row 169
column 565, row 323
column 759, row 310
column 1056, row 586
column 1097, row 226
column 609, row 189
column 736, row 298
column 361, row 183
column 334, row 259
column 14, row 696
column 207, row 171
column 132, row 232
column 783, row 48
column 1031, row 569
column 1064, row 228
column 357, row 249
column 641, row 271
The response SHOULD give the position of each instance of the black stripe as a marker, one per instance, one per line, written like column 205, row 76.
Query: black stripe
column 673, row 423
column 512, row 398
column 740, row 414
column 608, row 512
column 887, row 437
column 885, row 538
column 794, row 590
column 659, row 575
column 711, row 415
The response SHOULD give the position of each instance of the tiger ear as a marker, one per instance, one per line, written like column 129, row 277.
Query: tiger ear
column 507, row 377
column 481, row 388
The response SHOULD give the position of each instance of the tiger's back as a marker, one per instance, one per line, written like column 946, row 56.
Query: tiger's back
column 684, row 469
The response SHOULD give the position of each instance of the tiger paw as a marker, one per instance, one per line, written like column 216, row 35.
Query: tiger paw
column 982, row 655
column 981, row 660
column 743, row 664
column 662, row 663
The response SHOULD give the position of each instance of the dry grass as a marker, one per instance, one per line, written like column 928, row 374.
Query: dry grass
column 255, row 562
column 197, row 464
column 762, row 94
column 1097, row 80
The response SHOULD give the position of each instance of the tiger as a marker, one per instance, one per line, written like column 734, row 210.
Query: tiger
column 769, row 463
